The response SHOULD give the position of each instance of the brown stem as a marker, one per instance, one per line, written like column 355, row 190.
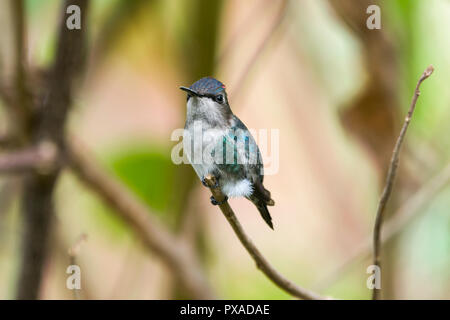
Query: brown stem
column 22, row 98
column 259, row 259
column 391, row 177
column 37, row 202
column 41, row 158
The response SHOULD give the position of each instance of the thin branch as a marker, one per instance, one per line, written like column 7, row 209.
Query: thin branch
column 155, row 236
column 259, row 259
column 394, row 226
column 391, row 177
column 41, row 158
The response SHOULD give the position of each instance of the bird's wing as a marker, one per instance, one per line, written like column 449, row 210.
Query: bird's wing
column 255, row 168
column 239, row 154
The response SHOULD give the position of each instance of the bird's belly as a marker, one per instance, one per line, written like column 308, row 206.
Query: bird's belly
column 236, row 188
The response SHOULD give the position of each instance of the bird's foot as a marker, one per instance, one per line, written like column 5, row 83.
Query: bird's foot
column 215, row 202
column 215, row 186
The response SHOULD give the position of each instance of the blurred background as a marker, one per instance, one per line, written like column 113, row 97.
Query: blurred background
column 338, row 93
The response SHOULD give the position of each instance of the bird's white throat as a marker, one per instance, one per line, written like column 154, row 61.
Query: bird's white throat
column 205, row 109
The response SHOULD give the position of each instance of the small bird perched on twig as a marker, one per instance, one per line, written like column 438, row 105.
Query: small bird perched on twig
column 216, row 142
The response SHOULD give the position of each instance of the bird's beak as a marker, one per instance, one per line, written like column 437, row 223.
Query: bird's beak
column 190, row 91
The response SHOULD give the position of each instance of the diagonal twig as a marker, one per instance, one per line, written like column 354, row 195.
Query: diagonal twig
column 248, row 244
column 177, row 255
column 391, row 177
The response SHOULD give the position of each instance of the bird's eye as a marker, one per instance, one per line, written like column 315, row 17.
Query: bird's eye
column 219, row 98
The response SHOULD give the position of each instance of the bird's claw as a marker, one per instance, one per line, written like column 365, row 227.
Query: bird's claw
column 215, row 186
column 215, row 202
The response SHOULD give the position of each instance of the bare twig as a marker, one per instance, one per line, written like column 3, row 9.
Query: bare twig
column 41, row 158
column 259, row 259
column 177, row 255
column 391, row 176
column 394, row 226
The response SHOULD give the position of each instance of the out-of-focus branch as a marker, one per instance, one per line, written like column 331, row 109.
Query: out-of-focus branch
column 6, row 140
column 177, row 255
column 115, row 23
column 259, row 259
column 41, row 158
column 371, row 116
column 391, row 177
column 394, row 226
column 5, row 95
column 19, row 34
column 243, row 28
column 22, row 96
column 37, row 202
column 260, row 49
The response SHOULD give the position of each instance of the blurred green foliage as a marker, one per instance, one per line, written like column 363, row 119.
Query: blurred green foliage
column 148, row 172
column 420, row 30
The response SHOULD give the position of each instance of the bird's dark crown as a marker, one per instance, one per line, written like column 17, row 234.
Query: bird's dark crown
column 208, row 86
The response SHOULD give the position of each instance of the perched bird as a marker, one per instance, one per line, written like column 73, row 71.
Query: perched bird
column 216, row 142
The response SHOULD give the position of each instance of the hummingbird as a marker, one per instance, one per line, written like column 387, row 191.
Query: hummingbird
column 217, row 142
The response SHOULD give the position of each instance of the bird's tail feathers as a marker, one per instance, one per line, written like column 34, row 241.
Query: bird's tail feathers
column 262, row 208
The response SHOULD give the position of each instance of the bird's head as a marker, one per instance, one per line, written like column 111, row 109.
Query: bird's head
column 207, row 100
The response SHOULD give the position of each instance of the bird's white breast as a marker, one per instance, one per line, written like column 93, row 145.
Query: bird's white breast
column 201, row 140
